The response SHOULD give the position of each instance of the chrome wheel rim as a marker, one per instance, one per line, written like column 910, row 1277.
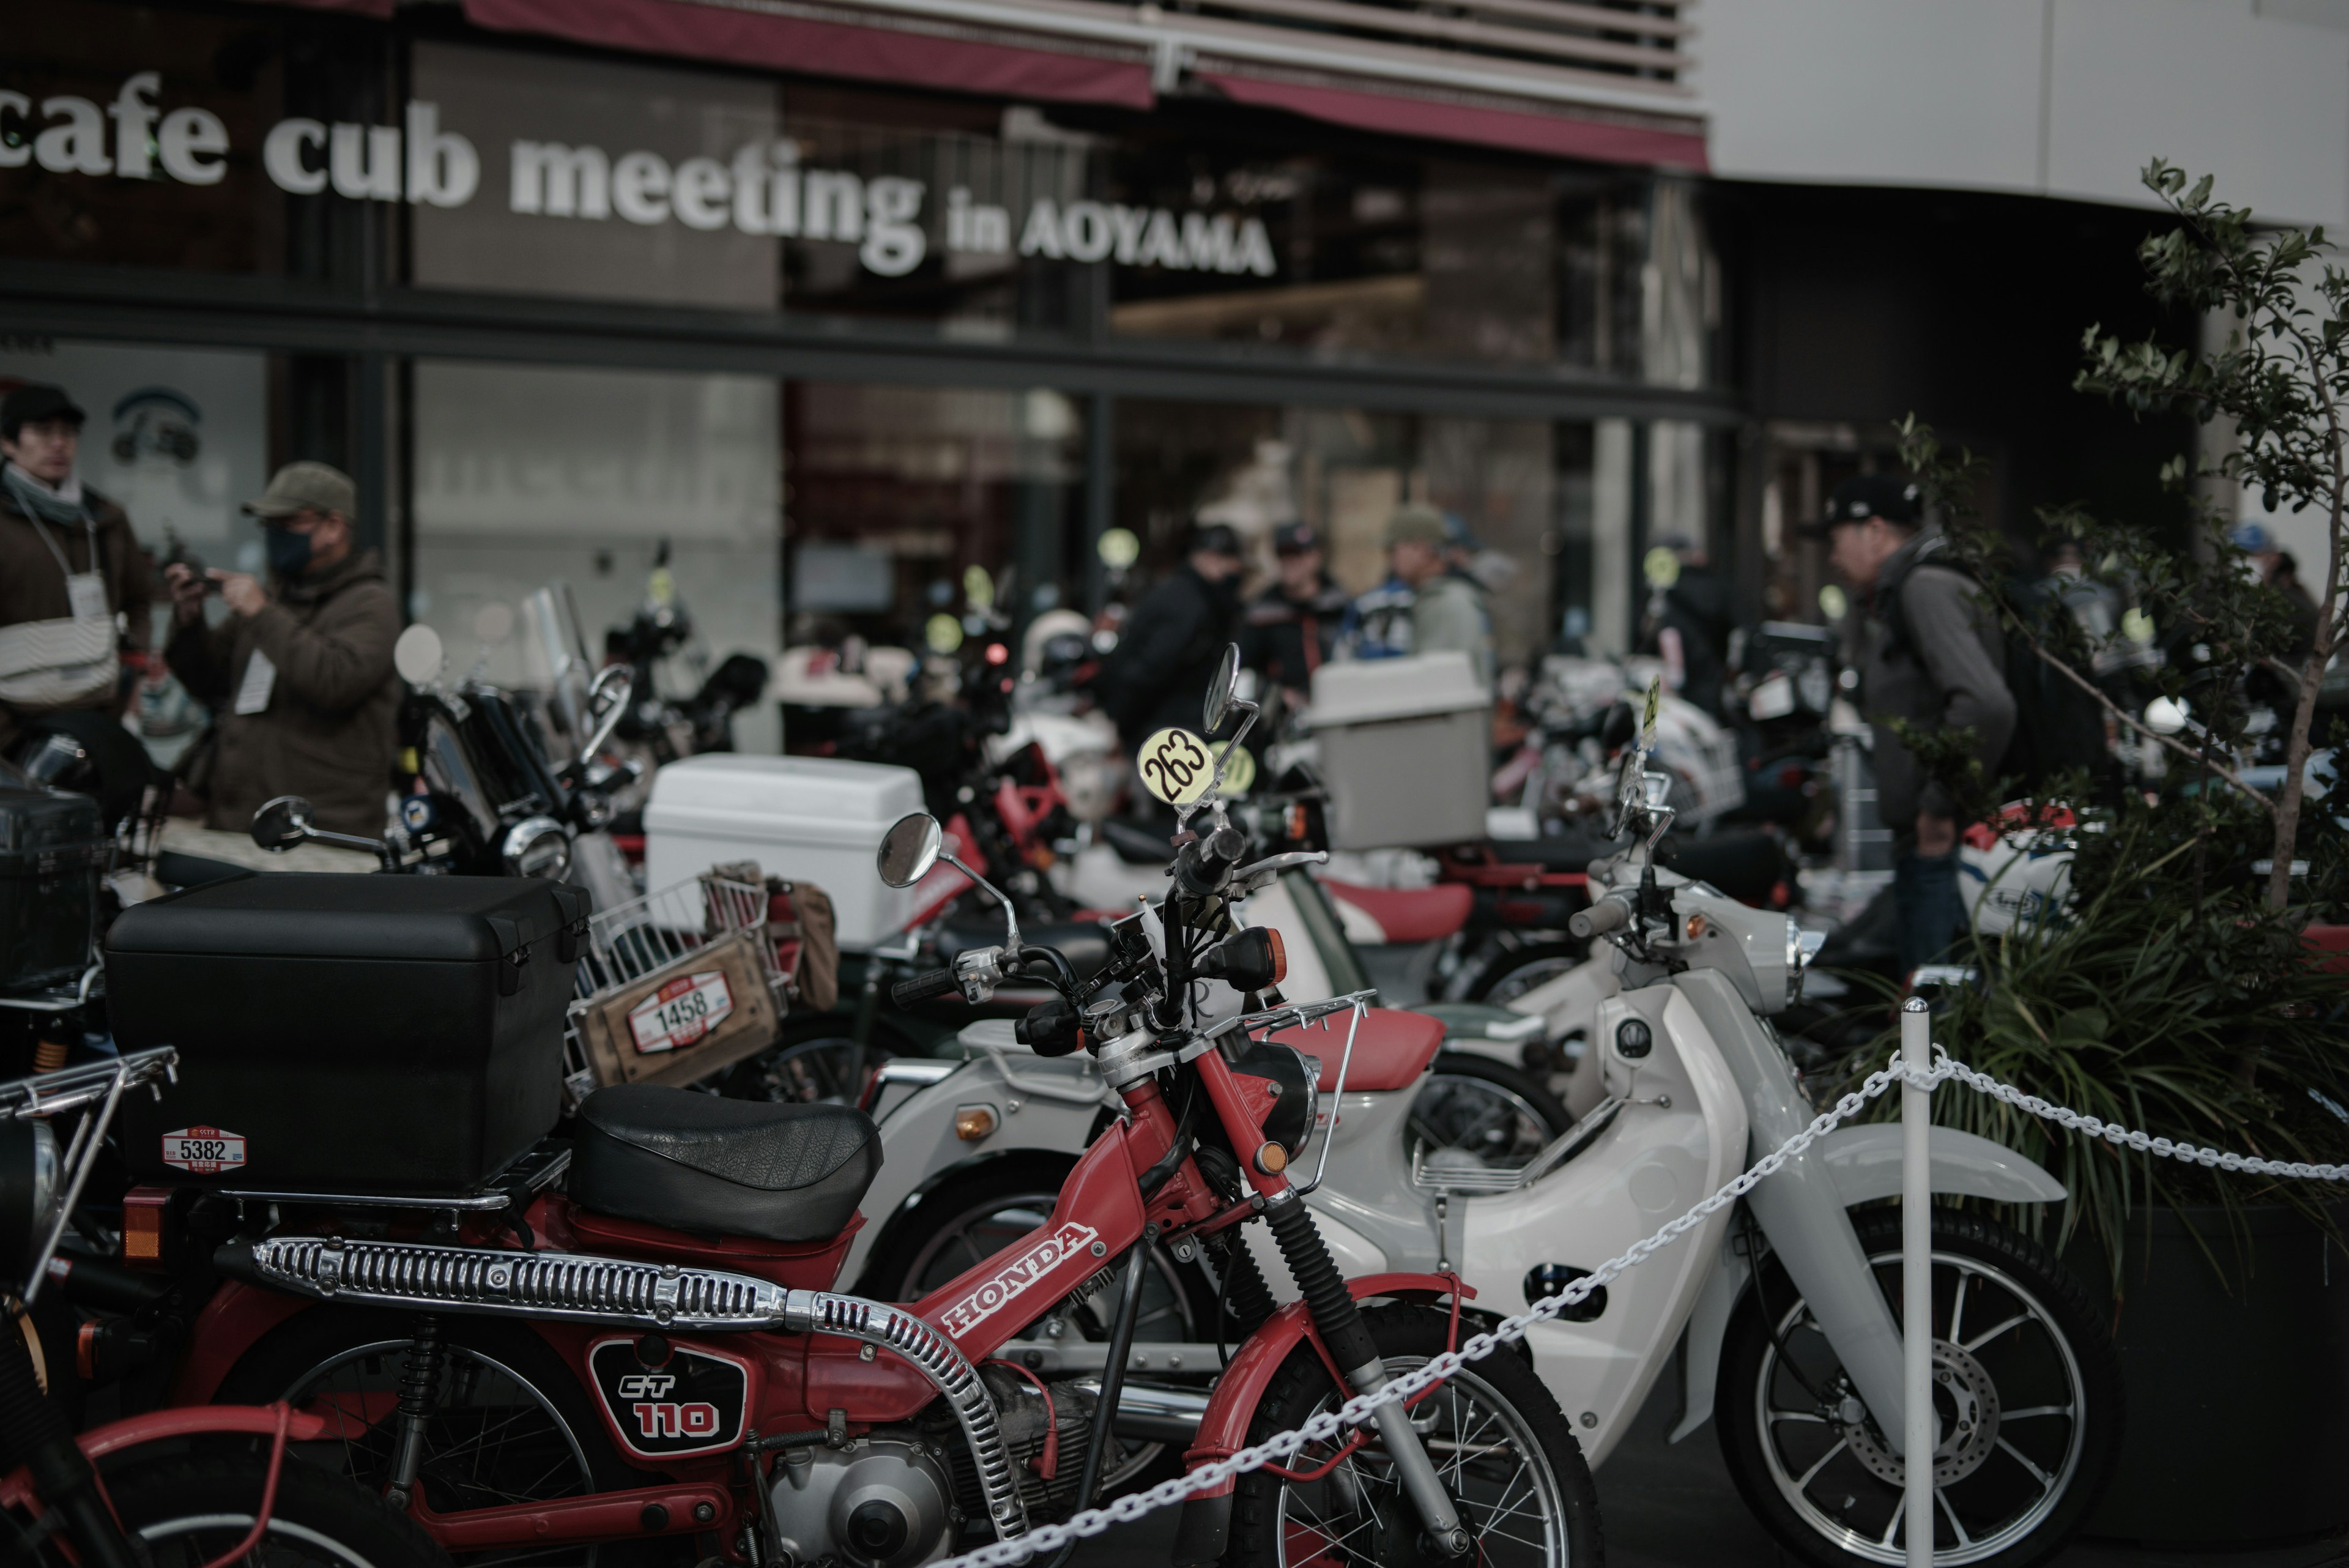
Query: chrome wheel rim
column 197, row 1539
column 1484, row 1453
column 2012, row 1408
column 1499, row 1126
column 985, row 1229
column 493, row 1436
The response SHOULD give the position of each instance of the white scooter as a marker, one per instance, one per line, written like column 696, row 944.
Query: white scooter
column 1779, row 1309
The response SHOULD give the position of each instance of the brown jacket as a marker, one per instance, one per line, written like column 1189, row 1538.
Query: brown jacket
column 32, row 589
column 328, row 732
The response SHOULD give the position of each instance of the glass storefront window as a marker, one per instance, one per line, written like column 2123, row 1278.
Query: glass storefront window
column 526, row 476
column 898, row 494
column 1520, row 488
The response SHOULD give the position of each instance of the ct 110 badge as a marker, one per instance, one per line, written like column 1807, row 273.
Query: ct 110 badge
column 694, row 1402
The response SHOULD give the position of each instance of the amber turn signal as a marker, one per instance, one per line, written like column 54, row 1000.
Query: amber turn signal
column 973, row 1123
column 1696, row 927
column 1271, row 1159
column 142, row 1224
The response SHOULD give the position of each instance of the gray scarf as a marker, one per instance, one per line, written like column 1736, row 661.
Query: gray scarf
column 62, row 507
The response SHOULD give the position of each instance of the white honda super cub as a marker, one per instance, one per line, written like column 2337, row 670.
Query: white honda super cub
column 1783, row 1302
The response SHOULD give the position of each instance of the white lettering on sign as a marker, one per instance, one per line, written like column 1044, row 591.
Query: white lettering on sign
column 1013, row 1280
column 760, row 189
column 681, row 1012
column 203, row 1151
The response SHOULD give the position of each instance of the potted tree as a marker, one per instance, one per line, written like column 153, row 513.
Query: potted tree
column 2173, row 988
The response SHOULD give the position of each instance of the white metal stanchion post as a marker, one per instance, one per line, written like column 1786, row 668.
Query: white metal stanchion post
column 1917, row 1279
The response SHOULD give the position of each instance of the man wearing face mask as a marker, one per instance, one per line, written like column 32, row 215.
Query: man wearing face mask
column 299, row 673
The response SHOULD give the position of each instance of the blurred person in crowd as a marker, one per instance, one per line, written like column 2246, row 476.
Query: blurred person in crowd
column 1688, row 619
column 1174, row 638
column 299, row 676
column 2283, row 576
column 1927, row 650
column 1292, row 626
column 1423, row 606
column 73, row 584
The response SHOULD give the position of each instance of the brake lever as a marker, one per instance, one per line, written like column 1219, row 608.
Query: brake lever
column 1250, row 878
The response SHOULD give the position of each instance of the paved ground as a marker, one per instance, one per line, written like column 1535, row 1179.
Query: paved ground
column 1667, row 1505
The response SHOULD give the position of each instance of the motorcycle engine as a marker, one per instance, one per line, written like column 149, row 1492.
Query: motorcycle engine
column 880, row 1502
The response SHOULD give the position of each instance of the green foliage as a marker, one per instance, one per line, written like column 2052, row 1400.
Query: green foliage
column 2143, row 1004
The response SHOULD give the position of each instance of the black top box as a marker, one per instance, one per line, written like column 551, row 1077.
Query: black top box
column 53, row 849
column 346, row 1033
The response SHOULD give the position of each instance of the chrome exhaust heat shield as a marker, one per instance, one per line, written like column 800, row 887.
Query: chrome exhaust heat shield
column 576, row 1288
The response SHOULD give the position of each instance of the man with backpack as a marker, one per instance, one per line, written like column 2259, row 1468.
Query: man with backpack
column 1928, row 650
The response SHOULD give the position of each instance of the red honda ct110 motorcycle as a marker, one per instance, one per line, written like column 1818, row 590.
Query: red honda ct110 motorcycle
column 647, row 1345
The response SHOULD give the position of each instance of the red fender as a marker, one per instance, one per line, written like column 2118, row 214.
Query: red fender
column 229, row 1326
column 156, row 1425
column 1223, row 1431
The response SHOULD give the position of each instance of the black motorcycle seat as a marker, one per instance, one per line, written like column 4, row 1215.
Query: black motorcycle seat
column 1747, row 864
column 1568, row 852
column 729, row 1168
column 1084, row 943
column 1136, row 844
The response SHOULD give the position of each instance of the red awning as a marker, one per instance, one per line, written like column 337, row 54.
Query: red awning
column 1557, row 135
column 748, row 37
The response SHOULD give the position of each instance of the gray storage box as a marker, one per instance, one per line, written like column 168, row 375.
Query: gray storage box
column 1406, row 751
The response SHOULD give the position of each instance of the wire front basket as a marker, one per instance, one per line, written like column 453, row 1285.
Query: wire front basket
column 632, row 940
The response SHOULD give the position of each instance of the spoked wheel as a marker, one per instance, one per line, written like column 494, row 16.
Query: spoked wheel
column 966, row 1223
column 507, row 1422
column 1502, row 1450
column 2026, row 1397
column 1474, row 1106
column 193, row 1509
column 1511, row 975
column 816, row 1061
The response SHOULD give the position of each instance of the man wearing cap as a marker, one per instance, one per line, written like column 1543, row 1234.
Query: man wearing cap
column 1291, row 626
column 1174, row 640
column 1928, row 650
column 299, row 674
column 1423, row 606
column 73, row 583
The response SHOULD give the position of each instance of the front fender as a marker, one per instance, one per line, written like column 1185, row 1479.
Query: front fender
column 1206, row 1527
column 1865, row 1164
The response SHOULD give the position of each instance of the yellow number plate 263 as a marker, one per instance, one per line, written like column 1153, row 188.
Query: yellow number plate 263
column 1177, row 766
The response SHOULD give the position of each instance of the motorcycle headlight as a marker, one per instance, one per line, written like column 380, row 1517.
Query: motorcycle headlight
column 536, row 847
column 1289, row 1123
column 28, row 1186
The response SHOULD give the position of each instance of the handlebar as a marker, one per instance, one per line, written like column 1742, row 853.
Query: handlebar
column 1610, row 913
column 922, row 987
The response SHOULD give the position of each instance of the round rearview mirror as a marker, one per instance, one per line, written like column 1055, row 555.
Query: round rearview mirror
column 909, row 850
column 417, row 655
column 1221, row 689
column 283, row 823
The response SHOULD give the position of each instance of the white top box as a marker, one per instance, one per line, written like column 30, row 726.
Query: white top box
column 1369, row 690
column 814, row 819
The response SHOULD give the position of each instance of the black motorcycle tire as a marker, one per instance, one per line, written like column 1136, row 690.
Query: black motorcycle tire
column 1408, row 1336
column 277, row 1367
column 191, row 1508
column 816, row 1054
column 1531, row 1096
column 1563, row 955
column 1982, row 1252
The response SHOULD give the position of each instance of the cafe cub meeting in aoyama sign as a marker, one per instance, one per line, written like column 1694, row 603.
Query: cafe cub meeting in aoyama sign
column 761, row 190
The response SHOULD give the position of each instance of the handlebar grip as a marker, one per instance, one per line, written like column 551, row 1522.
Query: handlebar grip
column 1607, row 914
column 922, row 987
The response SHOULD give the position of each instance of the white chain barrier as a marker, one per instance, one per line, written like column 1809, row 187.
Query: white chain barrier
column 1329, row 1424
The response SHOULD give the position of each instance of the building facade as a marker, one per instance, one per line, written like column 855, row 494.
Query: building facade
column 849, row 311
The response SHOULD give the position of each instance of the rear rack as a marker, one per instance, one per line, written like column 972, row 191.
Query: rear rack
column 631, row 940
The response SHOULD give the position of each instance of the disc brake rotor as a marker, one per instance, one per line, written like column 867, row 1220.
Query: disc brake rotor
column 1965, row 1405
